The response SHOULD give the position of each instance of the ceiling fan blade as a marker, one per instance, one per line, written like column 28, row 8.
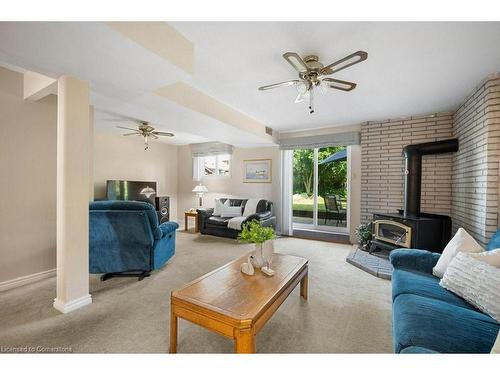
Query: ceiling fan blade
column 339, row 85
column 135, row 133
column 163, row 134
column 346, row 62
column 296, row 61
column 154, row 136
column 274, row 85
column 123, row 127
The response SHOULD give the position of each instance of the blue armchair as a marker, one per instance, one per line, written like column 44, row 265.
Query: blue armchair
column 126, row 240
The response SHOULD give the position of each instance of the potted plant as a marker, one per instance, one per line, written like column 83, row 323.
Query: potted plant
column 254, row 232
column 364, row 236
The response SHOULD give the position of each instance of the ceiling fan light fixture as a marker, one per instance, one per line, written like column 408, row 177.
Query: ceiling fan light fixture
column 301, row 97
column 322, row 87
column 302, row 87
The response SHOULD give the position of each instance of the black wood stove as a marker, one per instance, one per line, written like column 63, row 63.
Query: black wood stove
column 410, row 228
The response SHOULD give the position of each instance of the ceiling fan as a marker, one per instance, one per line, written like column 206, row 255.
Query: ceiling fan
column 312, row 74
column 145, row 130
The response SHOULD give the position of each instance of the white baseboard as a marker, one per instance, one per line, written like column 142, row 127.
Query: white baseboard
column 28, row 279
column 66, row 307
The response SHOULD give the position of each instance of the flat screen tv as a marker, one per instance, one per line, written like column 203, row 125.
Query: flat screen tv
column 131, row 190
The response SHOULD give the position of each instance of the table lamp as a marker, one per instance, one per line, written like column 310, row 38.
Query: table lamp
column 200, row 190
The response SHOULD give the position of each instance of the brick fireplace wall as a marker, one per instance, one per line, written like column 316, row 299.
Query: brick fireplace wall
column 464, row 185
column 382, row 164
column 476, row 165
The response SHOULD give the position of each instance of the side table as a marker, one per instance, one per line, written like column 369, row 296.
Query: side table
column 188, row 214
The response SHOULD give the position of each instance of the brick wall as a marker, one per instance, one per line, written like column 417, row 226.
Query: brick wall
column 464, row 185
column 475, row 167
column 382, row 164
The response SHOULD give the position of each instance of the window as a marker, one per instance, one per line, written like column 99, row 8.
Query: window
column 214, row 165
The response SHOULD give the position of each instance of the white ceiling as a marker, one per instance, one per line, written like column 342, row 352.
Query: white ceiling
column 412, row 69
column 123, row 76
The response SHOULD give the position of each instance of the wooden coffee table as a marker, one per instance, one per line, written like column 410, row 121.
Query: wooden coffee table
column 236, row 305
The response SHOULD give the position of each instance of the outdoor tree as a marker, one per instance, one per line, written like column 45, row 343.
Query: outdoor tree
column 332, row 176
column 303, row 171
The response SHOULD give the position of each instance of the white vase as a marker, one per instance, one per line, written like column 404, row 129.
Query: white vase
column 268, row 251
column 258, row 259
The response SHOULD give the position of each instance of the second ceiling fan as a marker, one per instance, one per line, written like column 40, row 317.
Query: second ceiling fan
column 145, row 130
column 312, row 74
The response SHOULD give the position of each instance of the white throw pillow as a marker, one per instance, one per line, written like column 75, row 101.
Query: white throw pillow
column 461, row 242
column 491, row 257
column 475, row 281
column 496, row 346
column 251, row 207
column 231, row 211
column 218, row 206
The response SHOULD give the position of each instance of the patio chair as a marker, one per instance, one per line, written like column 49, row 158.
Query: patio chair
column 334, row 209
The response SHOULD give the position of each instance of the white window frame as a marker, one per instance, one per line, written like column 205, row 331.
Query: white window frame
column 199, row 167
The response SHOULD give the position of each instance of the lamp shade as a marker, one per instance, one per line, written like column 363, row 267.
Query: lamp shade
column 200, row 189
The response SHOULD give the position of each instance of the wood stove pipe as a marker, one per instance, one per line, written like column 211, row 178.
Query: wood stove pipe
column 413, row 170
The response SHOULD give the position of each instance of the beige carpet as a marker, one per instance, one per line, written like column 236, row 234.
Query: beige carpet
column 348, row 311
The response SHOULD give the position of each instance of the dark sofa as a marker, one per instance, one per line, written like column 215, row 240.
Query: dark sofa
column 426, row 318
column 217, row 226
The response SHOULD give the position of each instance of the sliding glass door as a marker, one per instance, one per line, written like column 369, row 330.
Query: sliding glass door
column 319, row 199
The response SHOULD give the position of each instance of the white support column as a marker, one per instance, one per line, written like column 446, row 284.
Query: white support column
column 286, row 192
column 353, row 190
column 315, row 188
column 91, row 154
column 73, row 175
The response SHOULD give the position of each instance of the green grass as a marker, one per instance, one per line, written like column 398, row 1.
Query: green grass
column 306, row 204
column 306, row 207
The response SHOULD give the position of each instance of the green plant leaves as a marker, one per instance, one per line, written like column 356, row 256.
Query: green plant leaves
column 254, row 232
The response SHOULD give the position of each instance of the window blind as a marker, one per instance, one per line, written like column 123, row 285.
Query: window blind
column 210, row 148
column 318, row 141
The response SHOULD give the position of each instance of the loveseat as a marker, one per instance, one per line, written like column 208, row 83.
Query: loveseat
column 426, row 318
column 217, row 226
column 125, row 239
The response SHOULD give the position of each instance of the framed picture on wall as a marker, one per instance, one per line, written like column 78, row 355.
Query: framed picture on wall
column 257, row 170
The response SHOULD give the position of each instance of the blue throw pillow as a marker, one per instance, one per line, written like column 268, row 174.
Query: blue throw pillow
column 494, row 242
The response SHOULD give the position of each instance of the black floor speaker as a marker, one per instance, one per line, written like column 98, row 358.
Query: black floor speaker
column 163, row 208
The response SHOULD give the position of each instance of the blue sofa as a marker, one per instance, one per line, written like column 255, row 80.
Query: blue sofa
column 427, row 318
column 125, row 239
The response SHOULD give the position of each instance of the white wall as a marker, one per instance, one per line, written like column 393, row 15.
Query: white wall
column 123, row 158
column 28, row 188
column 232, row 186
